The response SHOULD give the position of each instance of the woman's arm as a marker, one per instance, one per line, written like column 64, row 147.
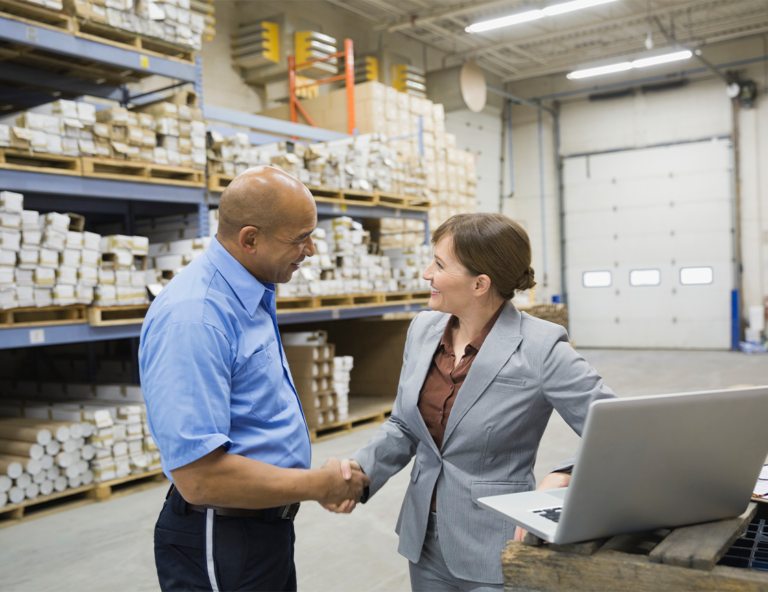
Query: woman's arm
column 570, row 384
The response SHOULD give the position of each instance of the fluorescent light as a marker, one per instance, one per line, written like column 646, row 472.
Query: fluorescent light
column 505, row 21
column 601, row 70
column 662, row 59
column 623, row 66
column 532, row 15
column 575, row 5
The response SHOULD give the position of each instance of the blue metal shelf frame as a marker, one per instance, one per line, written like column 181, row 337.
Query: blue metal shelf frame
column 83, row 332
column 64, row 43
column 76, row 186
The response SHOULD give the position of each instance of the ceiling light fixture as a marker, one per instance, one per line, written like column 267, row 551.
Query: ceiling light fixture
column 623, row 66
column 532, row 15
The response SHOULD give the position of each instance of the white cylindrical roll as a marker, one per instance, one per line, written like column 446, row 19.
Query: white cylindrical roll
column 88, row 429
column 60, row 484
column 16, row 495
column 46, row 487
column 80, row 443
column 40, row 477
column 32, row 491
column 87, row 477
column 3, row 499
column 72, row 470
column 24, row 480
column 34, row 466
column 82, row 466
column 52, row 473
column 24, row 432
column 24, row 449
column 46, row 462
column 88, row 452
column 76, row 431
column 123, row 470
column 12, row 466
column 69, row 445
column 53, row 448
column 62, row 433
column 64, row 459
column 5, row 483
column 75, row 481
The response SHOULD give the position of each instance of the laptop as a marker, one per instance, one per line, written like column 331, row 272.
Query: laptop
column 652, row 462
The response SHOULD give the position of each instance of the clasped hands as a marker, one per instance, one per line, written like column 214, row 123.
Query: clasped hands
column 348, row 482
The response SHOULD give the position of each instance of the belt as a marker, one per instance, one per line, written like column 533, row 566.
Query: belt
column 283, row 512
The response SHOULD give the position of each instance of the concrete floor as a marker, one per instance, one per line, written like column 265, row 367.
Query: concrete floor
column 108, row 546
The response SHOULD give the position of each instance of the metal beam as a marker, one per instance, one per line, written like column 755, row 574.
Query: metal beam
column 270, row 124
column 61, row 334
column 75, row 185
column 64, row 43
column 419, row 20
column 22, row 75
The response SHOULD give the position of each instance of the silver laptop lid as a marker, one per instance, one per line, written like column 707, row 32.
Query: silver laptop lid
column 665, row 460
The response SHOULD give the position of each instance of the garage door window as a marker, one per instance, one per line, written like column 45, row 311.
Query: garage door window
column 596, row 279
column 691, row 276
column 645, row 277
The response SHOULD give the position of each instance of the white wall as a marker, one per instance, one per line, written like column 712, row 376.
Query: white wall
column 698, row 110
column 480, row 133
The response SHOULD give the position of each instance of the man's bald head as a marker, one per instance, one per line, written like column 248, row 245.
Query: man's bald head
column 264, row 197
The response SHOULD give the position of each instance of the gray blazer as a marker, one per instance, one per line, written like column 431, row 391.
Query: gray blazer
column 525, row 368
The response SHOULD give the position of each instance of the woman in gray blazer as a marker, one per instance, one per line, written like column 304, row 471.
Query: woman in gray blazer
column 478, row 384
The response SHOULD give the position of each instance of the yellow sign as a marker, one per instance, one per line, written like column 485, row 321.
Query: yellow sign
column 144, row 61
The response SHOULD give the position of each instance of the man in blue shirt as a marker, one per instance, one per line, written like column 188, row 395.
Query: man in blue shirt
column 221, row 403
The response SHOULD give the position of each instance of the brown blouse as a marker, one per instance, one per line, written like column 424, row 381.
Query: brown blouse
column 443, row 382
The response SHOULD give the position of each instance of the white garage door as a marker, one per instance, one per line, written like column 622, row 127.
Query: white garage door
column 649, row 248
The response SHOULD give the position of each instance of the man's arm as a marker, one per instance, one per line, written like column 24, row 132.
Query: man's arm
column 233, row 481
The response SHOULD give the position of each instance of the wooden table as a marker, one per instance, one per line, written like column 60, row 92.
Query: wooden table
column 665, row 560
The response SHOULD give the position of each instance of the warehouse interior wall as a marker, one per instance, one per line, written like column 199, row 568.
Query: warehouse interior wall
column 699, row 110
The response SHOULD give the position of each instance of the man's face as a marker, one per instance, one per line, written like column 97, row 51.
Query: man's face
column 281, row 251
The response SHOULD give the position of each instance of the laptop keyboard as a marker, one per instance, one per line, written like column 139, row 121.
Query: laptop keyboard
column 552, row 514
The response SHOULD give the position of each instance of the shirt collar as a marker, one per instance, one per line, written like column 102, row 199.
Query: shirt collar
column 447, row 341
column 248, row 289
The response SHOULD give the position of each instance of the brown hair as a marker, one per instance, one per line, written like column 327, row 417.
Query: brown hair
column 494, row 245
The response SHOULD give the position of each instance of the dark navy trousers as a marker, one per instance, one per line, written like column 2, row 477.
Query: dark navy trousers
column 196, row 551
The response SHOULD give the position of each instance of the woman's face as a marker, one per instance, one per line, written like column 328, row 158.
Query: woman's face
column 452, row 284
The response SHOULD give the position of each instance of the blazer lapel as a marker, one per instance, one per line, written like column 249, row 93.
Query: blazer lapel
column 424, row 355
column 498, row 347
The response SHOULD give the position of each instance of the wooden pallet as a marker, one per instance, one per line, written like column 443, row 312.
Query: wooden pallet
column 48, row 316
column 106, row 316
column 36, row 13
column 218, row 183
column 405, row 201
column 419, row 297
column 301, row 303
column 39, row 162
column 126, row 170
column 81, row 496
column 343, row 196
column 364, row 412
column 677, row 560
column 104, row 33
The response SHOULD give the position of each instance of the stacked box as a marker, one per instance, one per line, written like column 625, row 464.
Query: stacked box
column 395, row 233
column 342, row 367
column 166, row 260
column 408, row 264
column 310, row 359
column 121, row 278
column 234, row 154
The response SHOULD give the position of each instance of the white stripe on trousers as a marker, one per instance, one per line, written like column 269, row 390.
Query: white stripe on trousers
column 210, row 517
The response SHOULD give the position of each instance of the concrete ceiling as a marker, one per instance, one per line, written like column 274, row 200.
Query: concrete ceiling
column 563, row 42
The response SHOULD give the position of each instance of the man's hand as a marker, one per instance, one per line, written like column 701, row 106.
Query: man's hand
column 346, row 485
column 346, row 507
column 551, row 481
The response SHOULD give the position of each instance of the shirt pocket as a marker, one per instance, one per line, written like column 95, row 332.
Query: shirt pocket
column 506, row 381
column 265, row 383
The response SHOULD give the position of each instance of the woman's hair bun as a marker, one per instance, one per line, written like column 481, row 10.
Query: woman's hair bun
column 526, row 280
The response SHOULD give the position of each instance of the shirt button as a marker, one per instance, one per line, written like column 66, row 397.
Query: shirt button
column 451, row 387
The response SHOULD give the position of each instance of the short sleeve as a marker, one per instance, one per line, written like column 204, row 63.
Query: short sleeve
column 186, row 380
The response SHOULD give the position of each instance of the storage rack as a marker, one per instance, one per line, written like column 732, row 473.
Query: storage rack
column 51, row 191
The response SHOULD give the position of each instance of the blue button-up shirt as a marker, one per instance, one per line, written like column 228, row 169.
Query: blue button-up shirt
column 213, row 369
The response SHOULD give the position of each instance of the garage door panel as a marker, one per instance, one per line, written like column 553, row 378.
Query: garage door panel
column 575, row 170
column 654, row 209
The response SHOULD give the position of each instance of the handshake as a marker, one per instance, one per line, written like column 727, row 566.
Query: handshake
column 346, row 484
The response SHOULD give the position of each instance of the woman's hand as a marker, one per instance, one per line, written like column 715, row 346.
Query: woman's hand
column 345, row 507
column 551, row 481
